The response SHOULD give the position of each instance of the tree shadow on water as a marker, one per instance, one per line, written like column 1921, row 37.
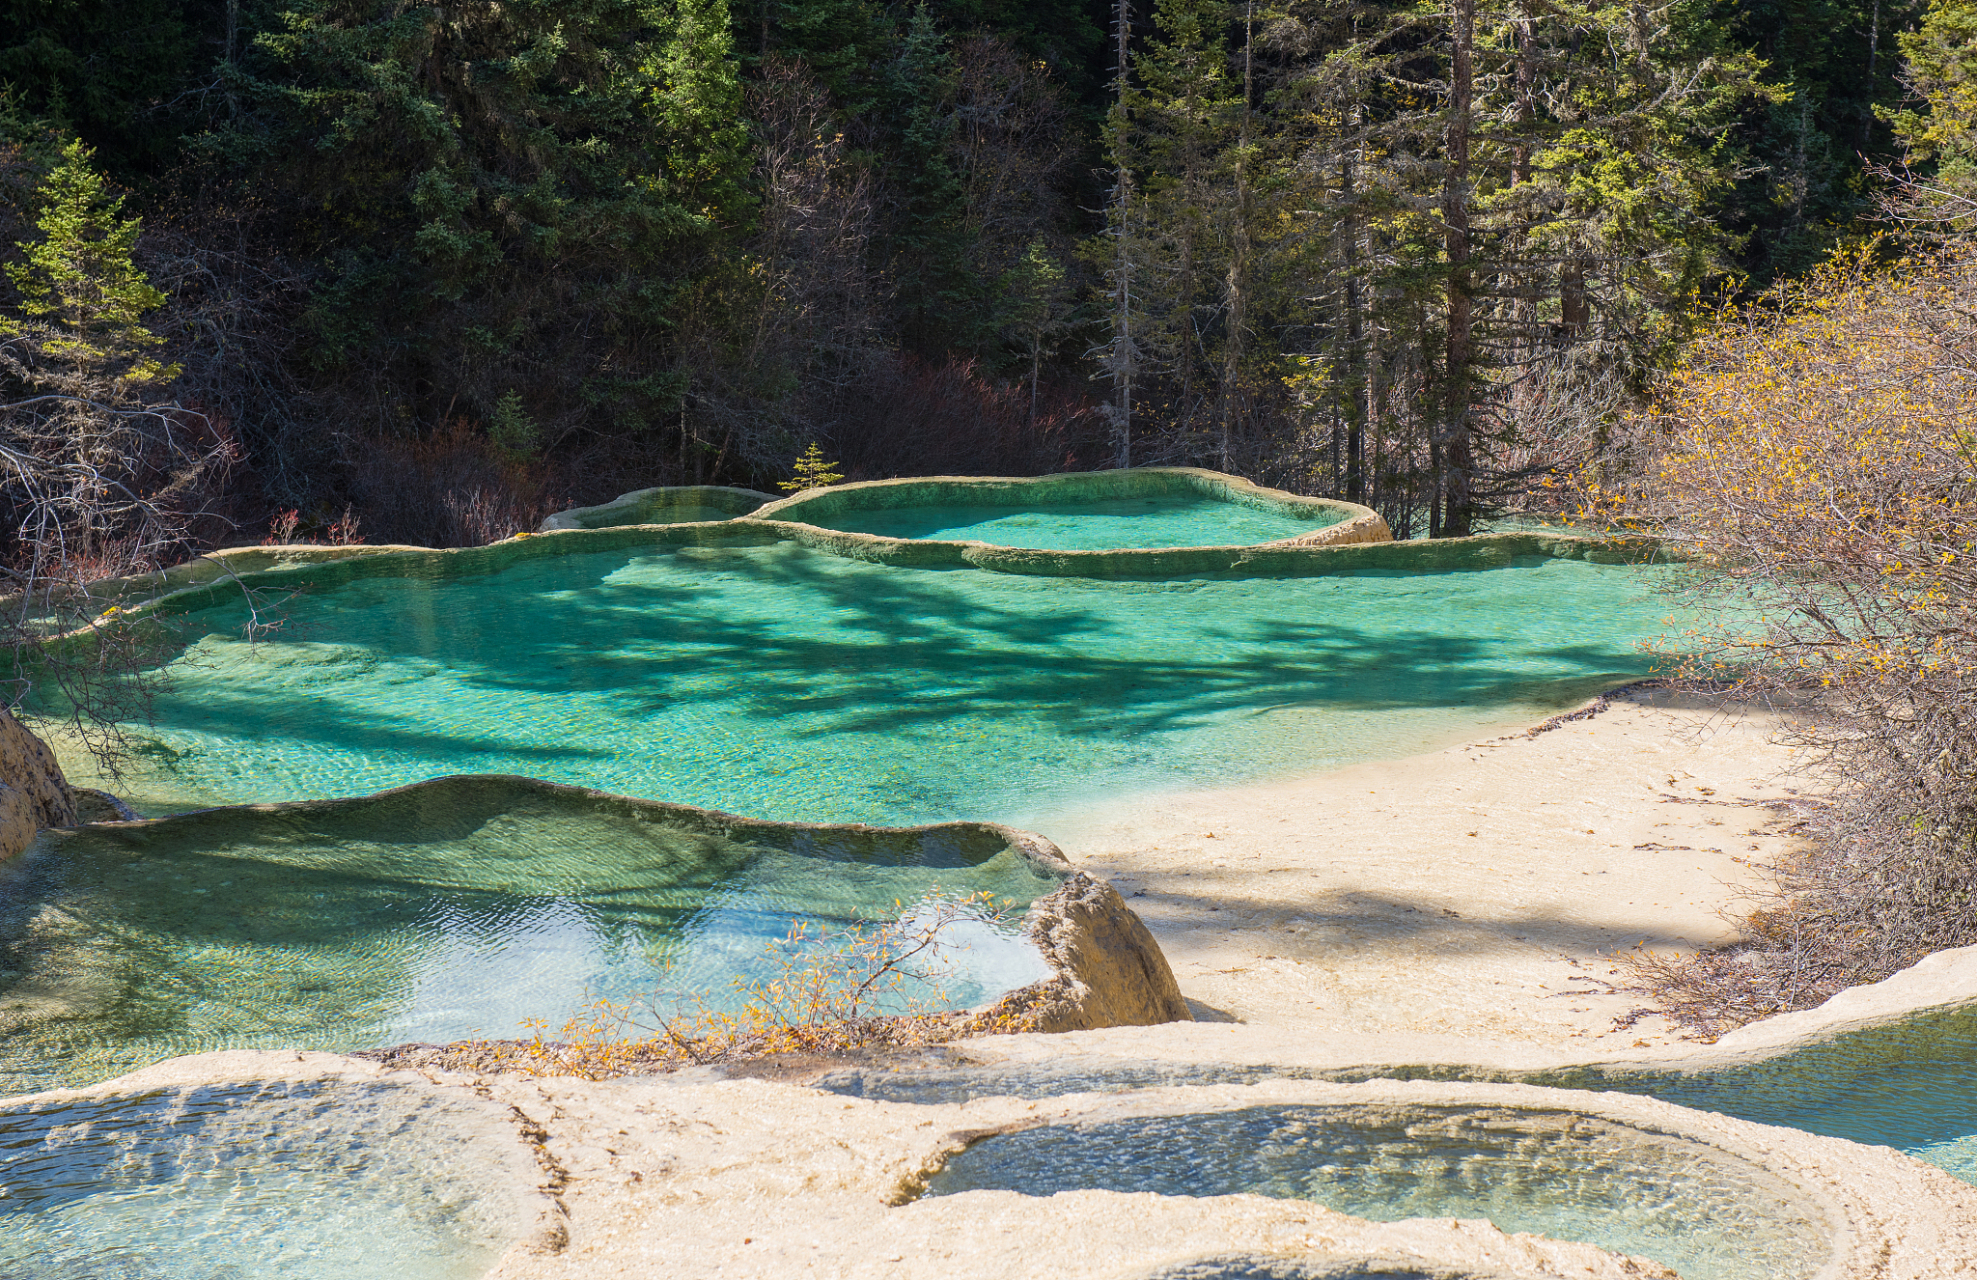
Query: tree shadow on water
column 803, row 645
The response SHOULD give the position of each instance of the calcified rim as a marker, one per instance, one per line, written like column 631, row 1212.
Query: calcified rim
column 627, row 508
column 1105, row 968
column 1876, row 1208
column 812, row 509
column 214, row 577
column 1883, row 1214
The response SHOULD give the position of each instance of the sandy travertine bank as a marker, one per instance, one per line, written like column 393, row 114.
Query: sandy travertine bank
column 1348, row 919
column 1469, row 896
column 689, row 1177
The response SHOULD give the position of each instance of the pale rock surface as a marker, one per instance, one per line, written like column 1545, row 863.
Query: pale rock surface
column 33, row 792
column 1473, row 895
column 1109, row 970
column 686, row 1176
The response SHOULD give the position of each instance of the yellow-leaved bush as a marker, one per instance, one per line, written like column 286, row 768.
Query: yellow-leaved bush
column 1815, row 455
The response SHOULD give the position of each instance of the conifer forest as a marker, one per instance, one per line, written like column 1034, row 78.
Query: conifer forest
column 425, row 272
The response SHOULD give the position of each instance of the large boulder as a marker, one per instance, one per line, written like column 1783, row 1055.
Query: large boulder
column 1109, row 970
column 33, row 792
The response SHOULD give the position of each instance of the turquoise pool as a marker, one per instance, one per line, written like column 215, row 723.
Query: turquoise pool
column 785, row 683
column 445, row 913
column 1153, row 520
column 1910, row 1085
column 1561, row 1174
column 260, row 1182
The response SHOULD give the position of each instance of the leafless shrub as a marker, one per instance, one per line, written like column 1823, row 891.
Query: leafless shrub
column 452, row 489
column 913, row 416
column 1817, row 455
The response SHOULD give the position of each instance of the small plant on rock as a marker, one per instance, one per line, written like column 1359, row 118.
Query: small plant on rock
column 848, row 991
column 812, row 472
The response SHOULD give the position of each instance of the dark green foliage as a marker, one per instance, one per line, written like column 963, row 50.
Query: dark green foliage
column 844, row 43
column 1804, row 189
column 563, row 247
column 931, row 243
column 503, row 199
column 125, row 75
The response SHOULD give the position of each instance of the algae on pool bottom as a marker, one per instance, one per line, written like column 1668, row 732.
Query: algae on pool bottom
column 458, row 908
column 782, row 682
column 272, row 1181
column 1562, row 1174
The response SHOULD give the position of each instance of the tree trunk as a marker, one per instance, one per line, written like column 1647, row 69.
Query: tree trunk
column 1456, row 462
column 1359, row 415
column 1123, row 266
column 1236, row 292
column 1575, row 310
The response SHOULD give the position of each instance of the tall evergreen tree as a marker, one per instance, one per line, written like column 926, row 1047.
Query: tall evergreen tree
column 499, row 198
column 1557, row 160
column 81, row 296
column 1938, row 128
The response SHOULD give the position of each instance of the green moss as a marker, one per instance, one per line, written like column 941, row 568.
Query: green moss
column 666, row 505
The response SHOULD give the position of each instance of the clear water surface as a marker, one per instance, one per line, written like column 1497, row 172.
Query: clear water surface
column 380, row 925
column 259, row 1182
column 1709, row 1215
column 1910, row 1085
column 789, row 684
column 1155, row 520
column 686, row 514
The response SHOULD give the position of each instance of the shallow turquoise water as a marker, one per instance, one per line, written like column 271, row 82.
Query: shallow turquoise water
column 784, row 683
column 432, row 921
column 1158, row 520
column 688, row 515
column 259, row 1182
column 1708, row 1215
column 1911, row 1085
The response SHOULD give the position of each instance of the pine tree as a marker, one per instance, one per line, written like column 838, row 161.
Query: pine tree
column 1185, row 117
column 695, row 103
column 811, row 471
column 102, row 469
column 1939, row 130
column 84, row 295
column 1035, row 301
column 1116, row 250
column 931, row 245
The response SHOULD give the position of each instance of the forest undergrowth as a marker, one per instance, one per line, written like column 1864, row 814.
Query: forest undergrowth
column 1815, row 455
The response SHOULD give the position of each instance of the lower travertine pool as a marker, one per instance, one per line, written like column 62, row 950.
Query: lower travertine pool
column 270, row 1181
column 435, row 917
column 1710, row 1215
column 1910, row 1084
column 780, row 682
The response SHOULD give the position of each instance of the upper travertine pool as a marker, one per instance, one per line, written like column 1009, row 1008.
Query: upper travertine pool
column 785, row 683
column 1151, row 520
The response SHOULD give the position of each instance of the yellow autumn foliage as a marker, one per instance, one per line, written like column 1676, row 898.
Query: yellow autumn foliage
column 1816, row 456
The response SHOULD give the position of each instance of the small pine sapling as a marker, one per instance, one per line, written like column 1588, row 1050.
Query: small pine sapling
column 812, row 472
